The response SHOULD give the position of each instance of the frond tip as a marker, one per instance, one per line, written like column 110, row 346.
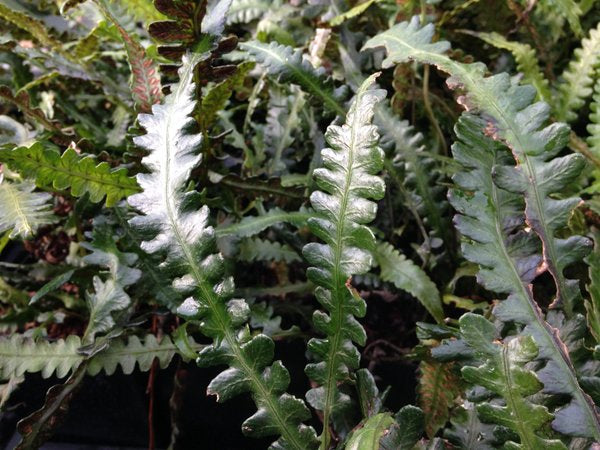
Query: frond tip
column 23, row 210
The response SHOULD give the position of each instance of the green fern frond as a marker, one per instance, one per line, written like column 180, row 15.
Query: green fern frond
column 568, row 9
column 348, row 182
column 422, row 178
column 145, row 79
column 30, row 25
column 492, row 220
column 20, row 355
column 70, row 170
column 526, row 59
column 287, row 65
column 578, row 77
column 23, row 211
column 518, row 122
column 424, row 196
column 593, row 127
column 142, row 10
column 187, row 245
column 255, row 249
column 504, row 374
column 409, row 277
column 252, row 225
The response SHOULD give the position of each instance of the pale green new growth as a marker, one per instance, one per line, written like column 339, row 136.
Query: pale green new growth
column 23, row 211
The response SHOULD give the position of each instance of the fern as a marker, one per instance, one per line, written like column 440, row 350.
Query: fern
column 517, row 122
column 526, row 59
column 503, row 373
column 31, row 25
column 288, row 65
column 255, row 249
column 351, row 13
column 193, row 26
column 438, row 387
column 81, row 173
column 349, row 181
column 20, row 355
column 252, row 225
column 593, row 127
column 22, row 101
column 216, row 98
column 492, row 219
column 406, row 275
column 23, row 211
column 420, row 181
column 282, row 121
column 578, row 77
column 245, row 11
column 568, row 9
column 187, row 243
column 145, row 79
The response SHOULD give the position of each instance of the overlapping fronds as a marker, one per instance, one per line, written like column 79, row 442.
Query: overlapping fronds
column 287, row 65
column 518, row 122
column 504, row 374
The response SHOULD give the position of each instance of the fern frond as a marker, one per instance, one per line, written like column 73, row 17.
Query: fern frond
column 526, row 59
column 197, row 26
column 288, row 65
column 348, row 182
column 216, row 97
column 578, row 77
column 70, row 170
column 145, row 79
column 282, row 120
column 407, row 144
column 142, row 10
column 255, row 249
column 568, row 9
column 409, row 277
column 30, row 25
column 187, row 244
column 20, row 355
column 421, row 177
column 518, row 122
column 245, row 11
column 23, row 210
column 493, row 221
column 22, row 101
column 438, row 387
column 252, row 225
column 593, row 127
column 503, row 373
column 109, row 297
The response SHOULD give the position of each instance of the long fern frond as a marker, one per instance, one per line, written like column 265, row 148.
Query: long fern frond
column 187, row 244
column 344, row 205
column 83, row 174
